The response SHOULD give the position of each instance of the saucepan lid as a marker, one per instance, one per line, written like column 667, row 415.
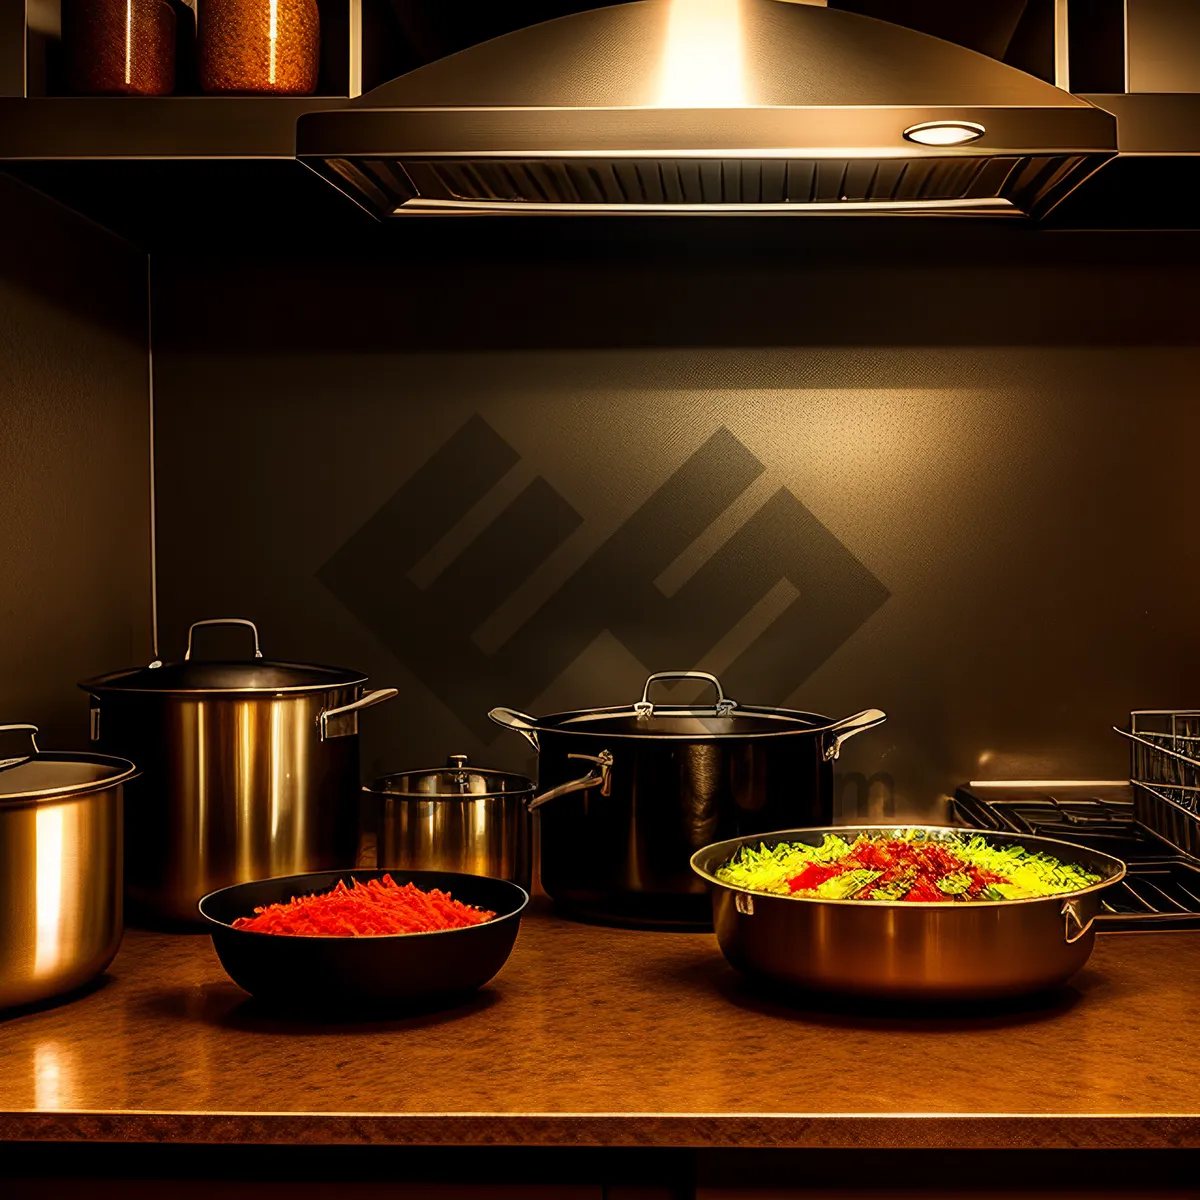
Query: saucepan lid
column 257, row 674
column 47, row 775
column 455, row 781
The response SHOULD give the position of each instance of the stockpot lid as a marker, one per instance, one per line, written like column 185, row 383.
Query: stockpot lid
column 724, row 719
column 452, row 782
column 195, row 676
column 48, row 775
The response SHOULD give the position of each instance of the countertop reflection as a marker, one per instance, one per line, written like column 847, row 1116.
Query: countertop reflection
column 608, row 1036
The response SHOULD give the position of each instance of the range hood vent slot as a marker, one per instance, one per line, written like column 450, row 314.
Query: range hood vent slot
column 1001, row 184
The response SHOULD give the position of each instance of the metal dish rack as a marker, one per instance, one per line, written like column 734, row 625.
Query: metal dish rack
column 1164, row 768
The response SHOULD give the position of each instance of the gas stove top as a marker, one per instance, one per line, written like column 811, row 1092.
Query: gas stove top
column 1161, row 891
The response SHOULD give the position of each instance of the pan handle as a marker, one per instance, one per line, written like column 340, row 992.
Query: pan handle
column 847, row 727
column 723, row 707
column 601, row 778
column 526, row 726
column 221, row 621
column 343, row 721
column 1074, row 926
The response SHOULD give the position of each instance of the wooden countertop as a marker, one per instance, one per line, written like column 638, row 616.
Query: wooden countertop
column 597, row 1036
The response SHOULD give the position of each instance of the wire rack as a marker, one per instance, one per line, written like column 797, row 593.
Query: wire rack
column 1164, row 768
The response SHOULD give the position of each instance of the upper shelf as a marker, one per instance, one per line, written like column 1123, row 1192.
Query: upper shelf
column 52, row 128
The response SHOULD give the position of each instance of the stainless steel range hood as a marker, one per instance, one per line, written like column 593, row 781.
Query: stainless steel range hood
column 711, row 106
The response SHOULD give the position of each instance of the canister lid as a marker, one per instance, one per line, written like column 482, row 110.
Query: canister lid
column 194, row 676
column 45, row 775
column 453, row 781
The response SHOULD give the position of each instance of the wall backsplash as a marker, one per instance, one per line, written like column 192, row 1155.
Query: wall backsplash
column 74, row 462
column 986, row 541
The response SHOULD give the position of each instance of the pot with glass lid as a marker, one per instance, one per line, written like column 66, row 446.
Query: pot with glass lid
column 249, row 771
column 628, row 794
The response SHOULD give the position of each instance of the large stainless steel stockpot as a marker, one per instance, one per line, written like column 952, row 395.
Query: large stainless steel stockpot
column 908, row 951
column 60, row 868
column 249, row 770
column 664, row 781
column 454, row 818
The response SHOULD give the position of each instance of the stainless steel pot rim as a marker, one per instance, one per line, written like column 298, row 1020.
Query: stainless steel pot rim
column 372, row 937
column 377, row 786
column 791, row 835
column 122, row 771
column 123, row 683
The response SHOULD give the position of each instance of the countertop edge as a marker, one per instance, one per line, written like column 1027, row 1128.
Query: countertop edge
column 1048, row 1131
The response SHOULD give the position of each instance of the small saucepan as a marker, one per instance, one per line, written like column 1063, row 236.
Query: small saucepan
column 459, row 817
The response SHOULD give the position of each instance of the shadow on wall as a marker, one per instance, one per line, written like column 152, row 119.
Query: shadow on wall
column 509, row 284
column 53, row 253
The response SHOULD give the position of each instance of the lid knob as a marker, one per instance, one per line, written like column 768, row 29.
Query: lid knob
column 457, row 761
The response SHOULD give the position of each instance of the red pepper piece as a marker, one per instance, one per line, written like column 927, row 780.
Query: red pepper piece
column 813, row 876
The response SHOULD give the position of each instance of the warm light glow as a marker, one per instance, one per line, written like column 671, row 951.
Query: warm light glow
column 128, row 40
column 945, row 133
column 48, row 1075
column 1048, row 783
column 702, row 64
column 48, row 835
column 273, row 34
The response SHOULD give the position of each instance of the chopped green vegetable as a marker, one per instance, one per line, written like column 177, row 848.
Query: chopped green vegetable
column 903, row 865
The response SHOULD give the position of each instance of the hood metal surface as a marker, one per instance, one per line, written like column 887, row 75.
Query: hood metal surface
column 703, row 106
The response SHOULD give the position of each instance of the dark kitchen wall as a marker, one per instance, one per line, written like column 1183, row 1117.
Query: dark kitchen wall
column 942, row 469
column 74, row 461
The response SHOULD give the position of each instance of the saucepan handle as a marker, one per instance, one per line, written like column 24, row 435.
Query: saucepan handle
column 1074, row 926
column 221, row 621
column 601, row 778
column 722, row 708
column 847, row 727
column 525, row 725
column 343, row 721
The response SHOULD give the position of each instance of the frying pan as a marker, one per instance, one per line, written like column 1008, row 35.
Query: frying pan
column 898, row 950
column 364, row 973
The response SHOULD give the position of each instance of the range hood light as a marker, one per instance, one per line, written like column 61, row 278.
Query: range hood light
column 945, row 133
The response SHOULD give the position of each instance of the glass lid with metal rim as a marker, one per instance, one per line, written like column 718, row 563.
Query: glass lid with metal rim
column 453, row 781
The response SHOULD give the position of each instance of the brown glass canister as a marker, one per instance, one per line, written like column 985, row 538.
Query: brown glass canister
column 119, row 47
column 263, row 47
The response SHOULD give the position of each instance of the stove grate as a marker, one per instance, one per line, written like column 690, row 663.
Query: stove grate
column 1161, row 891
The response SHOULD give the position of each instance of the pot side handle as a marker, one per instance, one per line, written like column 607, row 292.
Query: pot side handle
column 847, row 727
column 601, row 778
column 1074, row 927
column 343, row 721
column 525, row 725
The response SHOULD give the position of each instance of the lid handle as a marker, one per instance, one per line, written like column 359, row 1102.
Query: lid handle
column 723, row 707
column 221, row 621
column 29, row 729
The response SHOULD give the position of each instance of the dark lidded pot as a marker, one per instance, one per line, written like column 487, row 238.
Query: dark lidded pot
column 665, row 780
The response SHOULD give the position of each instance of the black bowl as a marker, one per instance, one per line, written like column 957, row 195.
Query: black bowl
column 366, row 974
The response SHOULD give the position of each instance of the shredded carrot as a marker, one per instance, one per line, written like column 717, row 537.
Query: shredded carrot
column 378, row 907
